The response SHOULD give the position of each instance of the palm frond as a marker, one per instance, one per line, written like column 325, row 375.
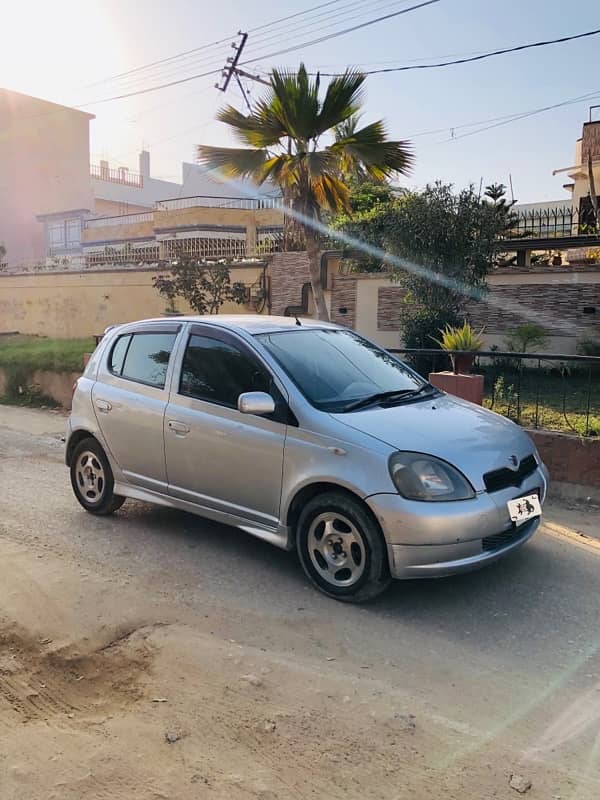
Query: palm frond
column 370, row 148
column 258, row 129
column 331, row 193
column 343, row 99
column 295, row 102
column 234, row 162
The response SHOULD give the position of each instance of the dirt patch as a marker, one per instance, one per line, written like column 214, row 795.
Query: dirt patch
column 40, row 683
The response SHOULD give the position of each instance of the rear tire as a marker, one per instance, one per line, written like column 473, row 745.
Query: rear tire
column 342, row 549
column 92, row 479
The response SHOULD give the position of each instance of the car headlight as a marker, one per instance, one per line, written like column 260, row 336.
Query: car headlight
column 422, row 477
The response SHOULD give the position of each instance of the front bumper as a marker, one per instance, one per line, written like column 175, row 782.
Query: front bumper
column 430, row 540
column 438, row 561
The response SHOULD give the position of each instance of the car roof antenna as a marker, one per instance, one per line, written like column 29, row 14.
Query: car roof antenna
column 298, row 322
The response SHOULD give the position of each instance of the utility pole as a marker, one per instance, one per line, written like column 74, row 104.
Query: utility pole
column 232, row 62
column 232, row 70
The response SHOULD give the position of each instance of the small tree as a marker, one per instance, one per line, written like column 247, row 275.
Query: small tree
column 2, row 256
column 447, row 238
column 529, row 335
column 205, row 286
column 495, row 191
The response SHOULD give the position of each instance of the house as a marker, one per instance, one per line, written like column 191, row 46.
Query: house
column 587, row 147
column 50, row 194
column 45, row 189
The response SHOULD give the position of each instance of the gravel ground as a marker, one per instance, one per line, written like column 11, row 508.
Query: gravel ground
column 157, row 655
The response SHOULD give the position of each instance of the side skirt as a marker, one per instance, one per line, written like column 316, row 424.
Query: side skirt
column 280, row 536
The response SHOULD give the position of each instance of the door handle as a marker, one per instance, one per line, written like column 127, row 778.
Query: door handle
column 180, row 428
column 103, row 406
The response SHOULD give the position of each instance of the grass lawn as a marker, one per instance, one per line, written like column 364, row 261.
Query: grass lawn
column 29, row 353
column 561, row 399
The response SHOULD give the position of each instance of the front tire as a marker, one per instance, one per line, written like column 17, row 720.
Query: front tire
column 92, row 479
column 342, row 549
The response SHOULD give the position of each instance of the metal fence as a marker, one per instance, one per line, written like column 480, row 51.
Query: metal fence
column 551, row 223
column 206, row 201
column 121, row 219
column 119, row 175
column 537, row 390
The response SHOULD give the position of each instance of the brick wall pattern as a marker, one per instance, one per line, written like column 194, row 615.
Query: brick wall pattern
column 288, row 272
column 564, row 303
column 343, row 300
column 390, row 302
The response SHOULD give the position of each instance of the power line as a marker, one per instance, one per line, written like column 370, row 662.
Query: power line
column 165, row 85
column 293, row 16
column 327, row 19
column 474, row 58
column 525, row 114
column 149, row 89
column 203, row 47
column 508, row 117
column 155, row 63
column 342, row 32
column 183, row 62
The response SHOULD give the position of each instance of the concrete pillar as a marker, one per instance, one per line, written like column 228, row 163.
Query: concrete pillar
column 251, row 239
column 144, row 162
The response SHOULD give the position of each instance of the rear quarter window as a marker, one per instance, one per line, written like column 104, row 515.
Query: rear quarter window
column 117, row 354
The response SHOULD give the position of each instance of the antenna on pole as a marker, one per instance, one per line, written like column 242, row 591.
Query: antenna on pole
column 512, row 194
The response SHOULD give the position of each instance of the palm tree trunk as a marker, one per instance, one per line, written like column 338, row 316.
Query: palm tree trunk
column 314, row 267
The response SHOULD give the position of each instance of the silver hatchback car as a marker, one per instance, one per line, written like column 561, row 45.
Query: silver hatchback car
column 309, row 436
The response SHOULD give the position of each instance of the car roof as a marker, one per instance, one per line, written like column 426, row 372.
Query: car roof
column 251, row 323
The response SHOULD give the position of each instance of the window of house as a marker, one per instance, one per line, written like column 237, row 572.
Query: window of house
column 56, row 234
column 220, row 372
column 65, row 233
column 73, row 232
column 143, row 357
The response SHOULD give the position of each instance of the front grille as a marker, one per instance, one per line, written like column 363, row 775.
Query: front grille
column 500, row 540
column 499, row 479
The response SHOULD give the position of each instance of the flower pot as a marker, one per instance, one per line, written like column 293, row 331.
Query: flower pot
column 169, row 313
column 462, row 363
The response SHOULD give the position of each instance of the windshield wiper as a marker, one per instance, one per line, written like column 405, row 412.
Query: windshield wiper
column 378, row 397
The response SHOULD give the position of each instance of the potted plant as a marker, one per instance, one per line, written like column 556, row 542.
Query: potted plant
column 461, row 338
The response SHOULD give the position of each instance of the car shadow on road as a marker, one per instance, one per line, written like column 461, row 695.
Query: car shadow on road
column 516, row 599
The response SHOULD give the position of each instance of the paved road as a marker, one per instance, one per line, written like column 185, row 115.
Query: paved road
column 502, row 663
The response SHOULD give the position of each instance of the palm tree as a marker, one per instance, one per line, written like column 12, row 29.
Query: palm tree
column 495, row 191
column 283, row 136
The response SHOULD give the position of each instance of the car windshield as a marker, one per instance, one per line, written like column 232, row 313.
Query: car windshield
column 335, row 369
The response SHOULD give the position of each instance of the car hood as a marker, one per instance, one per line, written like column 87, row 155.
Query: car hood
column 471, row 438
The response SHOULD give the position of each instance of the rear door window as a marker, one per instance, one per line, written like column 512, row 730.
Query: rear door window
column 146, row 358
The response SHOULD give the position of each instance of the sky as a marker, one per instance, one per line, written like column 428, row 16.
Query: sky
column 65, row 51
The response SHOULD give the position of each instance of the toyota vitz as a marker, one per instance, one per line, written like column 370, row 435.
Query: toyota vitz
column 309, row 436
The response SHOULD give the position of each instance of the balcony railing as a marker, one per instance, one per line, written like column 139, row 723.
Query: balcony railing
column 122, row 219
column 551, row 223
column 206, row 201
column 118, row 175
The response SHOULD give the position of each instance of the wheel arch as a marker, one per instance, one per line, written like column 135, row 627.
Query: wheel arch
column 74, row 439
column 310, row 490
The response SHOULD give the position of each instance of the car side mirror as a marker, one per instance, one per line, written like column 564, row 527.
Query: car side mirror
column 259, row 403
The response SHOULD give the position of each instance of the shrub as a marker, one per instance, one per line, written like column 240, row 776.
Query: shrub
column 529, row 335
column 417, row 329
